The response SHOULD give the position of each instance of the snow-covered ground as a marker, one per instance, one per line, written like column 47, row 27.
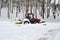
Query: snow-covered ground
column 43, row 31
column 50, row 30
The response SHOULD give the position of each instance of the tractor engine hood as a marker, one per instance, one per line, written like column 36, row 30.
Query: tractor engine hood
column 37, row 19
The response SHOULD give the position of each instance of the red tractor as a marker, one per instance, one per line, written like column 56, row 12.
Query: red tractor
column 31, row 18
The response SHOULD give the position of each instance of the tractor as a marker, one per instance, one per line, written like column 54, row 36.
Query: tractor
column 31, row 19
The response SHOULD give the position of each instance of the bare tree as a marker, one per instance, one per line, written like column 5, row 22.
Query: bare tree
column 35, row 3
column 54, row 9
column 48, row 7
column 42, row 3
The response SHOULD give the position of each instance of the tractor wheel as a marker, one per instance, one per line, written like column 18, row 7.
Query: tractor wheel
column 26, row 22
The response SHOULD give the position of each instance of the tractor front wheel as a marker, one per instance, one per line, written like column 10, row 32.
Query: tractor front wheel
column 26, row 22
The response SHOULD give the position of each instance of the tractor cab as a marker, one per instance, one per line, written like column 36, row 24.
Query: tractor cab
column 29, row 16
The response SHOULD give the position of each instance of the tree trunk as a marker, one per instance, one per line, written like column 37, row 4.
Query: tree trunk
column 27, row 5
column 35, row 2
column 0, row 7
column 9, row 4
column 43, row 9
column 54, row 10
column 48, row 12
